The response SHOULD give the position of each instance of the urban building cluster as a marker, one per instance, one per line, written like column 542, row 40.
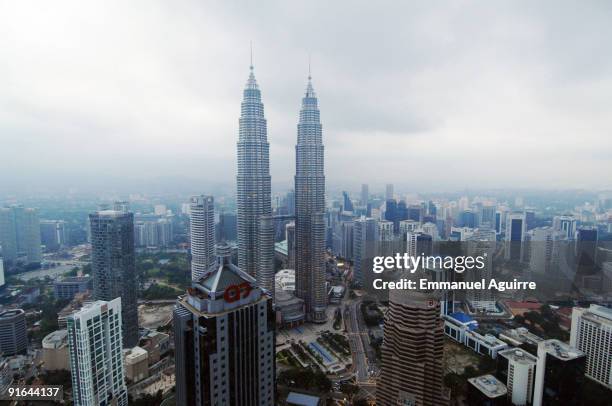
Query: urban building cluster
column 268, row 283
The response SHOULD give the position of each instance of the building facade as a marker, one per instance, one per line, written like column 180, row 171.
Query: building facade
column 592, row 334
column 13, row 332
column 96, row 359
column 224, row 341
column 310, row 209
column 559, row 374
column 20, row 234
column 202, row 235
column 412, row 368
column 254, row 204
column 113, row 265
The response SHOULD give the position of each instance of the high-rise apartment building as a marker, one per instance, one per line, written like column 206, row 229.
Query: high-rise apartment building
column 516, row 369
column 202, row 235
column 482, row 243
column 96, row 357
column 310, row 209
column 113, row 265
column 385, row 230
column 412, row 367
column 254, row 200
column 20, row 234
column 543, row 250
column 224, row 340
column 592, row 334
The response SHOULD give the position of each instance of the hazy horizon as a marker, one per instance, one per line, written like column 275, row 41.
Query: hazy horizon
column 146, row 96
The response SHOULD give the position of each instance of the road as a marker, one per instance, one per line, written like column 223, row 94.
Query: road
column 61, row 268
column 356, row 341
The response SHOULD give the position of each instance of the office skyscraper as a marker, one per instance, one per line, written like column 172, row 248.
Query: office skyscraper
column 515, row 235
column 254, row 204
column 113, row 266
column 224, row 340
column 389, row 191
column 592, row 334
column 365, row 241
column 412, row 368
column 365, row 194
column 53, row 234
column 559, row 374
column 310, row 209
column 202, row 233
column 13, row 332
column 20, row 234
column 96, row 358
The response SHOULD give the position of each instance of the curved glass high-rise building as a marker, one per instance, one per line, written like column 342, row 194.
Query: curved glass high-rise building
column 254, row 207
column 310, row 209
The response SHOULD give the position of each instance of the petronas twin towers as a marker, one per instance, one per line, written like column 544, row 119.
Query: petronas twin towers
column 255, row 222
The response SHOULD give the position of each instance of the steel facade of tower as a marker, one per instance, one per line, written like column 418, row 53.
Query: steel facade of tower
column 254, row 205
column 310, row 210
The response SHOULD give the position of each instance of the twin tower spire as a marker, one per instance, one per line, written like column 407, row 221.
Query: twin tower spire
column 254, row 210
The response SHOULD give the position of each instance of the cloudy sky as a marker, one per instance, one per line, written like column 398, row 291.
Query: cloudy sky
column 142, row 94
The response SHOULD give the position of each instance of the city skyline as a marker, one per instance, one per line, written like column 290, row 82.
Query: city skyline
column 447, row 89
column 436, row 231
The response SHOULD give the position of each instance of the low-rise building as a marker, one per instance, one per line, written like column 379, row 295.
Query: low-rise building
column 67, row 288
column 156, row 344
column 289, row 309
column 136, row 364
column 55, row 351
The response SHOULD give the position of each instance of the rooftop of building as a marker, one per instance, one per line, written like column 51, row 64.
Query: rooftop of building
column 463, row 319
column 55, row 339
column 522, row 335
column 600, row 311
column 10, row 313
column 111, row 213
column 135, row 354
column 285, row 298
column 73, row 279
column 489, row 386
column 518, row 356
column 560, row 350
column 301, row 399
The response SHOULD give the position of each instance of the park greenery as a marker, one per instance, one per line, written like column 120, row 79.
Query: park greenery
column 305, row 378
column 544, row 323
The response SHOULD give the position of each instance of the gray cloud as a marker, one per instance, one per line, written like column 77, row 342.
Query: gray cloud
column 112, row 94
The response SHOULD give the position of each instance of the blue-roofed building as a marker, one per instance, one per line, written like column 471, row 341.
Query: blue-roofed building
column 456, row 324
column 301, row 399
column 462, row 328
